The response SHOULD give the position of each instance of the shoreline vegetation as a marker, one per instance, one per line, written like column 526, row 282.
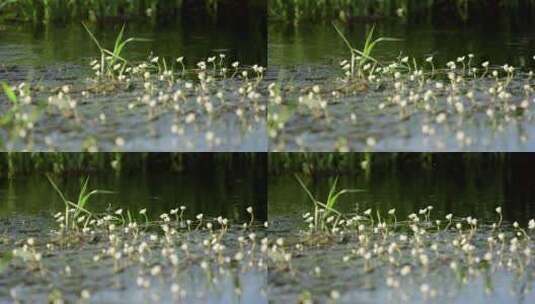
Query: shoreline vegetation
column 357, row 163
column 14, row 164
column 413, row 11
column 121, row 11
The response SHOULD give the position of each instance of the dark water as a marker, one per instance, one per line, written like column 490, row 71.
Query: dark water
column 463, row 192
column 212, row 193
column 317, row 44
column 41, row 51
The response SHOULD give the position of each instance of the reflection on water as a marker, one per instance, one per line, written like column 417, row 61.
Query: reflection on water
column 61, row 46
column 313, row 44
column 212, row 193
column 463, row 192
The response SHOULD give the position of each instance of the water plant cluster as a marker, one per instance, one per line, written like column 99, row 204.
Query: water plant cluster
column 217, row 105
column 176, row 257
column 429, row 105
column 412, row 10
column 423, row 257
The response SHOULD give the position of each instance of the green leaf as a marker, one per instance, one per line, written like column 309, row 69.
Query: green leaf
column 9, row 93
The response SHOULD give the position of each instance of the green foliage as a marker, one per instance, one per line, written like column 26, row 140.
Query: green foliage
column 364, row 163
column 323, row 210
column 111, row 62
column 359, row 58
column 413, row 10
column 57, row 163
column 47, row 11
column 75, row 210
column 9, row 93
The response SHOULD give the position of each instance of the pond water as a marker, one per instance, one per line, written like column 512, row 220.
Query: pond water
column 309, row 54
column 354, row 264
column 462, row 191
column 221, row 193
column 48, row 58
column 82, row 263
column 68, row 48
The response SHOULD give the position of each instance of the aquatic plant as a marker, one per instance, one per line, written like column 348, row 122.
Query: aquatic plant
column 323, row 210
column 359, row 58
column 156, row 252
column 401, row 90
column 112, row 64
column 76, row 212
column 195, row 97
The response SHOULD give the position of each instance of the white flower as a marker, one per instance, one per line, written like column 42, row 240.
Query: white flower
column 250, row 210
column 531, row 224
column 499, row 210
column 119, row 211
column 143, row 211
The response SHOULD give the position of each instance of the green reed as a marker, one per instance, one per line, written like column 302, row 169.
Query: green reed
column 366, row 162
column 47, row 11
column 75, row 211
column 13, row 163
column 298, row 10
column 324, row 210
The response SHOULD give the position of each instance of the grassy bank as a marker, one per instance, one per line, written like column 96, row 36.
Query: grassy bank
column 355, row 163
column 411, row 10
column 38, row 11
column 81, row 163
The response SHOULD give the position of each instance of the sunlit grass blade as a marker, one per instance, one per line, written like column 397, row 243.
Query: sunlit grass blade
column 9, row 93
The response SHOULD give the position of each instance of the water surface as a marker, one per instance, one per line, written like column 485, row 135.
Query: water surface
column 309, row 54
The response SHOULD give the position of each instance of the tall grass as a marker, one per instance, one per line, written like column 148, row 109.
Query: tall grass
column 111, row 62
column 48, row 11
column 298, row 10
column 359, row 58
column 366, row 162
column 12, row 164
column 324, row 210
column 76, row 214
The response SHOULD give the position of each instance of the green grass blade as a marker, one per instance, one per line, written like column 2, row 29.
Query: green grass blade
column 56, row 188
column 306, row 189
column 93, row 37
column 343, row 37
column 9, row 93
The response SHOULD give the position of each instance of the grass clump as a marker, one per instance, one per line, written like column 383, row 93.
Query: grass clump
column 76, row 212
column 362, row 60
column 324, row 212
column 112, row 64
